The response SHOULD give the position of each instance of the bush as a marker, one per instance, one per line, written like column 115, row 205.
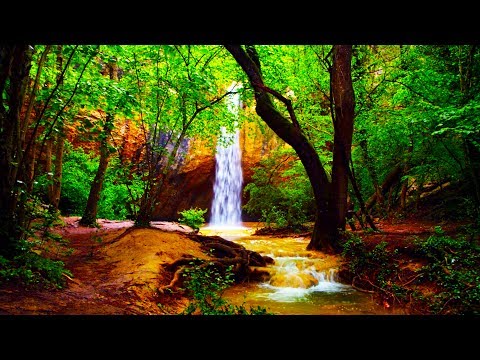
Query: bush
column 205, row 285
column 192, row 217
column 376, row 268
column 29, row 268
column 32, row 262
column 363, row 262
column 454, row 265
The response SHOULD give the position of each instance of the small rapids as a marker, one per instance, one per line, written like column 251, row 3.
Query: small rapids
column 301, row 282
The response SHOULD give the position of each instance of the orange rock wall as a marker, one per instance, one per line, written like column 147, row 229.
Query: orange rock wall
column 193, row 186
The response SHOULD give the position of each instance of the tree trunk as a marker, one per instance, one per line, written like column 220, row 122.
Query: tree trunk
column 403, row 196
column 48, row 167
column 325, row 234
column 155, row 186
column 369, row 164
column 57, row 175
column 89, row 217
column 15, row 62
column 344, row 102
column 56, row 185
column 359, row 197
column 392, row 178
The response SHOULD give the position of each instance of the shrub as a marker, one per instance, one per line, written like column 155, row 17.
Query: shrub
column 206, row 285
column 363, row 261
column 33, row 262
column 454, row 265
column 193, row 217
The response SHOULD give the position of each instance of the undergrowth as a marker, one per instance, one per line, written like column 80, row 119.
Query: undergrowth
column 451, row 266
column 205, row 285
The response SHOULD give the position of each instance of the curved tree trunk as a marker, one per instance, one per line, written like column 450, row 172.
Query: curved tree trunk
column 89, row 217
column 324, row 234
column 330, row 198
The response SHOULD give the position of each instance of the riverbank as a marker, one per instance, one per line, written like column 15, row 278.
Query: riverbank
column 115, row 275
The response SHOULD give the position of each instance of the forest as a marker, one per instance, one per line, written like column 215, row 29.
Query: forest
column 367, row 157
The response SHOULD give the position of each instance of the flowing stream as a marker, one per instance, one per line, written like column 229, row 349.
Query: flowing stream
column 301, row 282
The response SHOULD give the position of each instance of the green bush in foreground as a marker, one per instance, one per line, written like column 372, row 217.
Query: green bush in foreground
column 33, row 260
column 206, row 285
column 193, row 217
column 454, row 265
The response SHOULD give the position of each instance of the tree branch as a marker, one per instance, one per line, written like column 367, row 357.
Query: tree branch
column 287, row 102
column 33, row 93
column 68, row 101
column 412, row 90
column 39, row 117
column 198, row 110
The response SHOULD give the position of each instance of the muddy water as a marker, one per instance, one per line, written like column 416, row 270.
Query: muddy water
column 301, row 282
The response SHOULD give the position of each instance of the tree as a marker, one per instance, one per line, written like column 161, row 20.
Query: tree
column 89, row 217
column 330, row 197
column 177, row 91
column 15, row 63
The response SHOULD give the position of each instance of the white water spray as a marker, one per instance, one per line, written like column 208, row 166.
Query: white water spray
column 227, row 200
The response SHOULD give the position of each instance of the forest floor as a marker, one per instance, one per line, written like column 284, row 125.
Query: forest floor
column 119, row 274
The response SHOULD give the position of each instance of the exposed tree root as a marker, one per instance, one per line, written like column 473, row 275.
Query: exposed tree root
column 176, row 279
column 223, row 254
column 360, row 289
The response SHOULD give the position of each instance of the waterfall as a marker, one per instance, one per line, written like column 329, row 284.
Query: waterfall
column 227, row 190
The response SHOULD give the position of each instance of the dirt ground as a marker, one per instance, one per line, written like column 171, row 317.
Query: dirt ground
column 117, row 273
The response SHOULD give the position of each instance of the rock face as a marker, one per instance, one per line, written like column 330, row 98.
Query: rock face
column 192, row 183
column 192, row 186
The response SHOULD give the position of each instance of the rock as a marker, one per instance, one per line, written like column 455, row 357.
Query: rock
column 258, row 273
column 295, row 280
column 192, row 185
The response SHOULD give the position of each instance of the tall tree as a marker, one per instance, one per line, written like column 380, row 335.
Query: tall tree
column 89, row 217
column 344, row 103
column 15, row 63
column 56, row 185
column 177, row 91
column 330, row 198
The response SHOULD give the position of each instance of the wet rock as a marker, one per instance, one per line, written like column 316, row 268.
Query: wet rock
column 298, row 280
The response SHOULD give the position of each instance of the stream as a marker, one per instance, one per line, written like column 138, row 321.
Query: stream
column 302, row 282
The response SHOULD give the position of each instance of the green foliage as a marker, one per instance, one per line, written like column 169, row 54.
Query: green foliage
column 29, row 268
column 34, row 261
column 193, row 217
column 117, row 200
column 78, row 172
column 454, row 265
column 375, row 268
column 281, row 196
column 404, row 118
column 206, row 285
column 364, row 262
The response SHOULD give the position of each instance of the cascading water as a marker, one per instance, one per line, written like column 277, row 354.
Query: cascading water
column 227, row 200
column 299, row 282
